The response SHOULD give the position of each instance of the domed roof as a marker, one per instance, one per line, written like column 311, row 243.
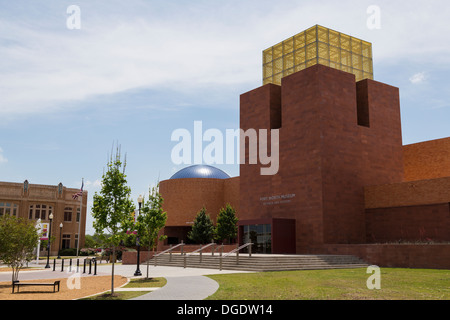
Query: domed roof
column 200, row 171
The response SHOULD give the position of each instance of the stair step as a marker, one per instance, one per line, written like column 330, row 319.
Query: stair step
column 262, row 263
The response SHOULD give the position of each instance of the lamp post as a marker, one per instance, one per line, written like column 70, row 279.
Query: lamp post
column 60, row 240
column 50, row 217
column 138, row 272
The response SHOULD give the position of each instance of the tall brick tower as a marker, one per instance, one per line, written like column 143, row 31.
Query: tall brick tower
column 336, row 136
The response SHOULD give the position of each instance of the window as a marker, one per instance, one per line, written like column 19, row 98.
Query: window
column 39, row 211
column 10, row 209
column 78, row 214
column 66, row 241
column 68, row 214
column 76, row 241
column 261, row 237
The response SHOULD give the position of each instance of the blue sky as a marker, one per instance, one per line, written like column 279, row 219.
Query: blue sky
column 136, row 71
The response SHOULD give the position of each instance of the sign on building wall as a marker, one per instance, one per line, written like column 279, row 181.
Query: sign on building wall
column 45, row 228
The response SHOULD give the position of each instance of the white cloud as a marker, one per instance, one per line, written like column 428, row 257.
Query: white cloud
column 48, row 67
column 93, row 185
column 418, row 78
column 2, row 158
column 185, row 46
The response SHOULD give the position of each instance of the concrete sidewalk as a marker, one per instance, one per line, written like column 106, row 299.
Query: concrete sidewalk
column 182, row 283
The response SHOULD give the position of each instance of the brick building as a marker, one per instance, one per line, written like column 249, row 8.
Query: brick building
column 346, row 184
column 34, row 201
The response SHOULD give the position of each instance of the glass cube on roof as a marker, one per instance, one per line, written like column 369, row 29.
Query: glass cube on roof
column 318, row 45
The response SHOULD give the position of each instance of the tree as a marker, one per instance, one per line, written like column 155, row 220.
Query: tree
column 227, row 224
column 151, row 220
column 18, row 239
column 203, row 228
column 112, row 207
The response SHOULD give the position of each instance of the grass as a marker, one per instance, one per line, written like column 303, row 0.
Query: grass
column 145, row 283
column 340, row 284
column 134, row 283
column 122, row 295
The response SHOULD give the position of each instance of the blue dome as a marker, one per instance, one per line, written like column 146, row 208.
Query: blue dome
column 200, row 171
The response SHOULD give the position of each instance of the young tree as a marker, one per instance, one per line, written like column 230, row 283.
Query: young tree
column 151, row 220
column 18, row 239
column 227, row 224
column 203, row 228
column 112, row 207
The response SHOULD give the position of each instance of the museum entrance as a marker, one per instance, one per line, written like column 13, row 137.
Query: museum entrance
column 261, row 237
column 268, row 235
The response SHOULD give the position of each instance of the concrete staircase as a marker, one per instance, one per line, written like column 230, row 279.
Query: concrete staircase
column 261, row 263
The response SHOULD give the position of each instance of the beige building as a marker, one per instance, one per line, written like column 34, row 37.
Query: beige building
column 34, row 201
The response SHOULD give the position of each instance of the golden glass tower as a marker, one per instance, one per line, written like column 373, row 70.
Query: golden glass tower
column 318, row 45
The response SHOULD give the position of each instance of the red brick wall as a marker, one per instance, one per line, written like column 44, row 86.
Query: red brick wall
column 231, row 193
column 325, row 156
column 434, row 256
column 427, row 160
column 183, row 199
column 408, row 193
column 381, row 143
column 130, row 257
column 193, row 247
column 424, row 223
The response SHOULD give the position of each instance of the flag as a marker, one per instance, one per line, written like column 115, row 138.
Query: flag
column 79, row 193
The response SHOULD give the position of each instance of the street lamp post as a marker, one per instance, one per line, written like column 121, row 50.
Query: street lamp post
column 60, row 240
column 138, row 272
column 50, row 217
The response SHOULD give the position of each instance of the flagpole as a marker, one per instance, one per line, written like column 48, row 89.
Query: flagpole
column 79, row 220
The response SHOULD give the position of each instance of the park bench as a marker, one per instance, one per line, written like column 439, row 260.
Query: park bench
column 19, row 284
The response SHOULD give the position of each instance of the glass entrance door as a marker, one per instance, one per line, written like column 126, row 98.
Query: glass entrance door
column 261, row 237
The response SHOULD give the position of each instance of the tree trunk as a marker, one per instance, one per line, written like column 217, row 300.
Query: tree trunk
column 15, row 273
column 148, row 260
column 112, row 273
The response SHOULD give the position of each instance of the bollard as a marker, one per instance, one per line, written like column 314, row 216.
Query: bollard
column 90, row 265
column 70, row 266
column 62, row 265
column 84, row 266
column 95, row 267
column 78, row 264
column 54, row 264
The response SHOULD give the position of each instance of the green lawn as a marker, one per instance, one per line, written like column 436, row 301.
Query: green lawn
column 144, row 283
column 134, row 283
column 340, row 284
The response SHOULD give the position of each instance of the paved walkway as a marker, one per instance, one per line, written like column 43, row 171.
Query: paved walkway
column 182, row 284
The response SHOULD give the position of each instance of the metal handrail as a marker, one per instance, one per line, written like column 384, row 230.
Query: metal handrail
column 248, row 244
column 199, row 249
column 238, row 249
column 169, row 250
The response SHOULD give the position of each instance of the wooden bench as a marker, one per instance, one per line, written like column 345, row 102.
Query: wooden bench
column 19, row 284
